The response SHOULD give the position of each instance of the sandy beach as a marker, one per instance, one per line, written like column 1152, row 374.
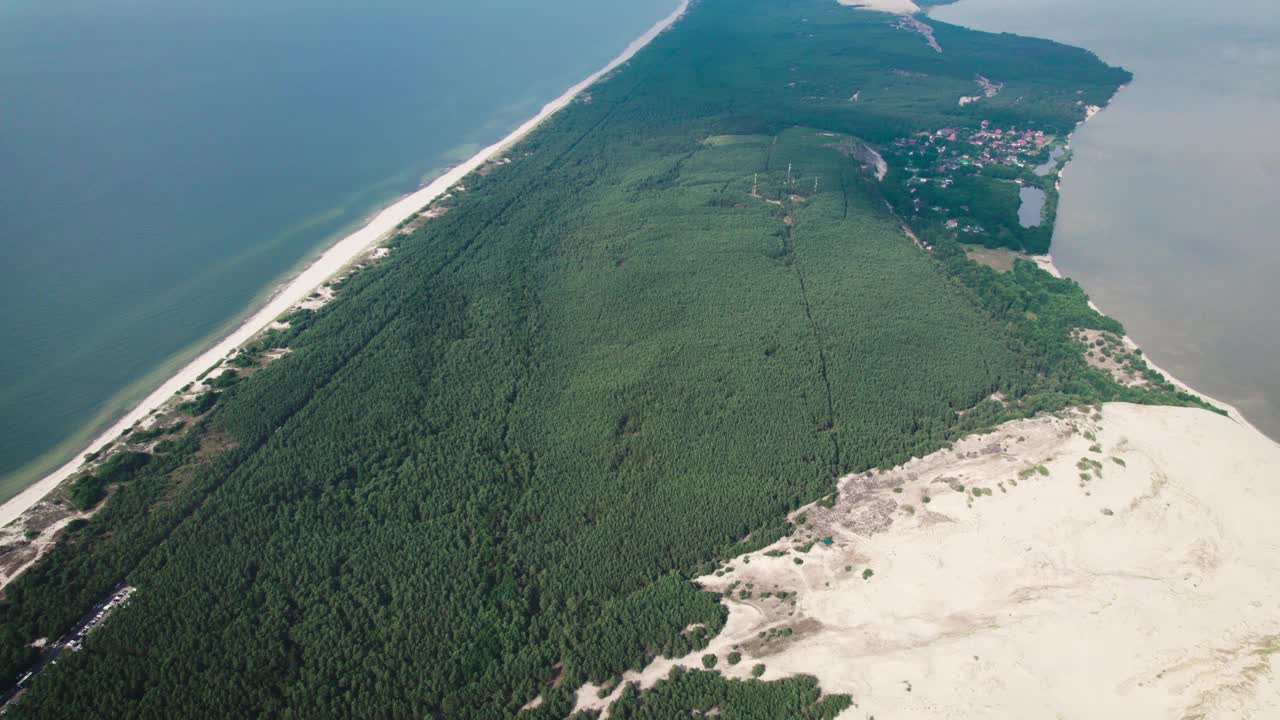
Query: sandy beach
column 332, row 261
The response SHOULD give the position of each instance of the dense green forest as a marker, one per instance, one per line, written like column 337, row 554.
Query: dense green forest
column 487, row 471
column 690, row 694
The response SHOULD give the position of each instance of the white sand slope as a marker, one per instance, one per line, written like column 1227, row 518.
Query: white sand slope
column 899, row 7
column 328, row 264
column 1150, row 590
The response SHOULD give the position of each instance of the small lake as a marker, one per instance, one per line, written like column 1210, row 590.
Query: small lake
column 1029, row 212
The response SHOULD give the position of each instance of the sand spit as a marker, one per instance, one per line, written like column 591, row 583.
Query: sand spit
column 1112, row 563
column 330, row 262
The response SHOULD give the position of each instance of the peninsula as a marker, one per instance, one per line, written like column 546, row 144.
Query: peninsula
column 732, row 388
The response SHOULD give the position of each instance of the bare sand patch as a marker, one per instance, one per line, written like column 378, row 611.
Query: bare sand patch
column 318, row 299
column 1120, row 562
column 862, row 152
column 22, row 544
column 898, row 7
column 1109, row 353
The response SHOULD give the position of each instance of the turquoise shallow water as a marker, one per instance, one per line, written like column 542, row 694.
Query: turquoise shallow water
column 1168, row 215
column 164, row 163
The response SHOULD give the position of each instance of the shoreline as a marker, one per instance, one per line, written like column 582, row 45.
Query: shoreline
column 1045, row 262
column 329, row 263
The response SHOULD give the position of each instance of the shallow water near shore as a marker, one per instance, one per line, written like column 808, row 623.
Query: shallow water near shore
column 164, row 164
column 1168, row 215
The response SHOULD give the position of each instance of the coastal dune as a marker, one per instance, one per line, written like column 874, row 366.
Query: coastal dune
column 331, row 262
column 1113, row 563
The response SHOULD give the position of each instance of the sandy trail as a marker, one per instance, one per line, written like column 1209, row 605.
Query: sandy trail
column 1147, row 590
column 328, row 264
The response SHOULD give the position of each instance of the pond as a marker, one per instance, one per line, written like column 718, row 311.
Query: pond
column 1032, row 207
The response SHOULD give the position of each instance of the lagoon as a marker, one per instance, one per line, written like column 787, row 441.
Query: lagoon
column 1168, row 215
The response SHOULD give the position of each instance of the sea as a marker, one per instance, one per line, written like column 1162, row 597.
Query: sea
column 1170, row 209
column 165, row 163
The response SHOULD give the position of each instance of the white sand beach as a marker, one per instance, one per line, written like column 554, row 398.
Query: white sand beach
column 328, row 264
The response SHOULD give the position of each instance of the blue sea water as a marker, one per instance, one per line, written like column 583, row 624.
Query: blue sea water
column 163, row 164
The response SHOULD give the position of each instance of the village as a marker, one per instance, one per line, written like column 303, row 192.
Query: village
column 938, row 158
column 950, row 149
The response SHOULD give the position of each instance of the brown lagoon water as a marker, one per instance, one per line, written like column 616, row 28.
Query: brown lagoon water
column 1170, row 208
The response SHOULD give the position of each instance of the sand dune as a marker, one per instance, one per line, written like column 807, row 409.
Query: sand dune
column 1148, row 590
